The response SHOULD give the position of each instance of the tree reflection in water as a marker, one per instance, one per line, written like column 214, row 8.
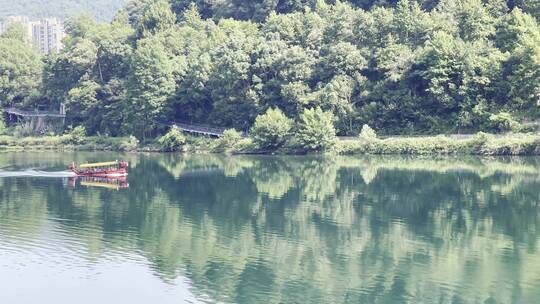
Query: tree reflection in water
column 252, row 229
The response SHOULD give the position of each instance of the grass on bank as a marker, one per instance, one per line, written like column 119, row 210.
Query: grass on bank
column 62, row 143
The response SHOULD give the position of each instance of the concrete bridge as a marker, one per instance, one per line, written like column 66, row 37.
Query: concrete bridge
column 38, row 121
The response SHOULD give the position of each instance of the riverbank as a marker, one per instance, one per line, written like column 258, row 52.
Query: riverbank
column 65, row 143
column 480, row 144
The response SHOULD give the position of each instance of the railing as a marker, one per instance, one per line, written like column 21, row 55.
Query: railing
column 35, row 113
column 199, row 129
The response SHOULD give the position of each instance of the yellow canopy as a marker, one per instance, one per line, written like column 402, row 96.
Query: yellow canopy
column 103, row 185
column 83, row 166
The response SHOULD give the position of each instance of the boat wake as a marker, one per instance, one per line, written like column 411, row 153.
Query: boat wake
column 36, row 173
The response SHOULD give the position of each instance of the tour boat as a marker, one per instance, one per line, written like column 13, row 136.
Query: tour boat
column 107, row 169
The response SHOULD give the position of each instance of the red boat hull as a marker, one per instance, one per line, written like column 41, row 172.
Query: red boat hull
column 118, row 170
column 101, row 173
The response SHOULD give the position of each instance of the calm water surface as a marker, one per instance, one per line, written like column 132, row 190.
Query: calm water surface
column 217, row 229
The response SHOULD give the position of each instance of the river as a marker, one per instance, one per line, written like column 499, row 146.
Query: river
column 266, row 229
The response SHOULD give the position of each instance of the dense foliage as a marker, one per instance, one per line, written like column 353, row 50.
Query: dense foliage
column 270, row 130
column 401, row 67
column 20, row 69
column 316, row 130
column 172, row 141
column 77, row 136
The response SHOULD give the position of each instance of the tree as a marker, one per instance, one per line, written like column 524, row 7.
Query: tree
column 342, row 58
column 172, row 141
column 514, row 28
column 80, row 27
column 151, row 83
column 337, row 97
column 412, row 22
column 523, row 74
column 475, row 22
column 113, row 103
column 20, row 72
column 157, row 17
column 15, row 31
column 205, row 7
column 77, row 136
column 235, row 100
column 227, row 140
column 315, row 131
column 245, row 10
column 82, row 105
column 270, row 130
column 114, row 51
column 530, row 6
column 458, row 74
column 497, row 8
column 64, row 70
column 279, row 65
column 299, row 29
column 367, row 133
column 135, row 10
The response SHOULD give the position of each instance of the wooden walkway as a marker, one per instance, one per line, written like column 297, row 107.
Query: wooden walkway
column 36, row 113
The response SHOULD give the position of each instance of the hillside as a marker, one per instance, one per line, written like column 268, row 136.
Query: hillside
column 102, row 10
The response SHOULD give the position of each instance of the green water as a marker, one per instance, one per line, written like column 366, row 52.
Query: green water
column 243, row 229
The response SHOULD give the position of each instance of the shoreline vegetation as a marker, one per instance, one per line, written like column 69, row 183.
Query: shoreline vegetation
column 479, row 144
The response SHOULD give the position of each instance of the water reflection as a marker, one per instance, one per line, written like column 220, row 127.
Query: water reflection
column 115, row 183
column 250, row 229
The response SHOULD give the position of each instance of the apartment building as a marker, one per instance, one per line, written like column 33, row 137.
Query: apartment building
column 46, row 34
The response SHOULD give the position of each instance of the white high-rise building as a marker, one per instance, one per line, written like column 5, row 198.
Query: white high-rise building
column 46, row 34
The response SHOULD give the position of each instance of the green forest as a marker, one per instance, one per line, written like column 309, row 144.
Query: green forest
column 401, row 67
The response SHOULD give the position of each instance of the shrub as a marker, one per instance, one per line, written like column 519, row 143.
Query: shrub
column 524, row 128
column 130, row 144
column 349, row 147
column 501, row 122
column 229, row 138
column 517, row 144
column 316, row 130
column 23, row 130
column 418, row 145
column 77, row 136
column 270, row 130
column 172, row 141
column 367, row 133
column 245, row 145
